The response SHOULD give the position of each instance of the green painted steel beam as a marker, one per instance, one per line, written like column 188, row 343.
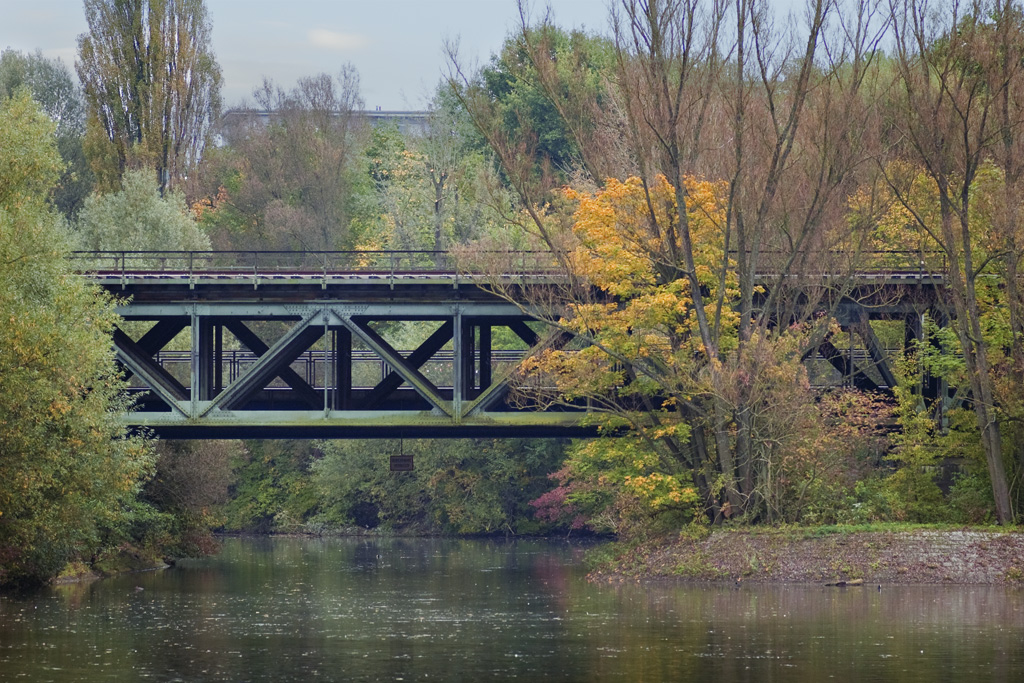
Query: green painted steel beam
column 415, row 361
column 160, row 382
column 259, row 348
column 427, row 310
column 362, row 424
column 413, row 377
column 268, row 366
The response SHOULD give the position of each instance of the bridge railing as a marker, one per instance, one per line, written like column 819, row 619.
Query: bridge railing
column 307, row 263
column 259, row 264
column 906, row 261
column 832, row 262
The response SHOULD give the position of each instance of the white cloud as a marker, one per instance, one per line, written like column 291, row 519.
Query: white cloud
column 340, row 42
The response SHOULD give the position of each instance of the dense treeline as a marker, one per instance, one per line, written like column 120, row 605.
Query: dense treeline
column 663, row 165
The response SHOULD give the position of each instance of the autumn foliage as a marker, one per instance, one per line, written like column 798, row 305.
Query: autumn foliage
column 68, row 472
column 640, row 365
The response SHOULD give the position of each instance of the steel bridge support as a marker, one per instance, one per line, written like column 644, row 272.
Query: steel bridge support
column 306, row 368
column 861, row 360
column 305, row 345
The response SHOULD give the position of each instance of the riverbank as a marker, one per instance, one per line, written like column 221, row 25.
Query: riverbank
column 125, row 561
column 825, row 555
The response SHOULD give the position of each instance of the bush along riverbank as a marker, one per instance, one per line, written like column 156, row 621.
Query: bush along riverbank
column 822, row 555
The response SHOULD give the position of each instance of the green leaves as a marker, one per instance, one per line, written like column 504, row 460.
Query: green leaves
column 457, row 486
column 66, row 466
column 29, row 163
column 137, row 218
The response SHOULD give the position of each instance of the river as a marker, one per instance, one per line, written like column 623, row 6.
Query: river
column 287, row 609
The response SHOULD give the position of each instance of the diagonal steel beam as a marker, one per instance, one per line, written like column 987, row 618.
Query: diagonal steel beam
column 158, row 336
column 524, row 332
column 268, row 366
column 156, row 378
column 287, row 375
column 844, row 365
column 423, row 386
column 867, row 333
column 162, row 333
column 415, row 360
column 499, row 388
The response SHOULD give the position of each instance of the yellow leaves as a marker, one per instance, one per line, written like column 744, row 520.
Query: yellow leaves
column 661, row 491
column 633, row 468
column 626, row 230
column 59, row 408
column 209, row 205
column 629, row 236
column 676, row 430
column 908, row 214
column 643, row 338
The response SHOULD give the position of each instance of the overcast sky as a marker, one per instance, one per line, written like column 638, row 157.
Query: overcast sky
column 396, row 45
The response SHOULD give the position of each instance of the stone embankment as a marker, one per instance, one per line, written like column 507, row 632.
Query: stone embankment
column 817, row 556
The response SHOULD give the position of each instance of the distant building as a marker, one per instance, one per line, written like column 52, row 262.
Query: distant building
column 409, row 122
column 412, row 122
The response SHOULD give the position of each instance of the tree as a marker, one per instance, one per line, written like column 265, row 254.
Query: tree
column 53, row 87
column 288, row 177
column 960, row 82
column 547, row 87
column 463, row 486
column 68, row 471
column 642, row 363
column 191, row 484
column 543, row 109
column 152, row 87
column 695, row 98
column 137, row 218
column 444, row 154
column 430, row 184
column 273, row 490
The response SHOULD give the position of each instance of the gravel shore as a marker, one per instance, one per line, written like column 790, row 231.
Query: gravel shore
column 926, row 556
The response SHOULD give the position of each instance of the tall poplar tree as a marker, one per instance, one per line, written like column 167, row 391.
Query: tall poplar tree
column 152, row 86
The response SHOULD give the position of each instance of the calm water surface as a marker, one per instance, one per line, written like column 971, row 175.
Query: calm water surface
column 396, row 609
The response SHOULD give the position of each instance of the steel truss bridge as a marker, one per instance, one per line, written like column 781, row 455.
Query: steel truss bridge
column 308, row 345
